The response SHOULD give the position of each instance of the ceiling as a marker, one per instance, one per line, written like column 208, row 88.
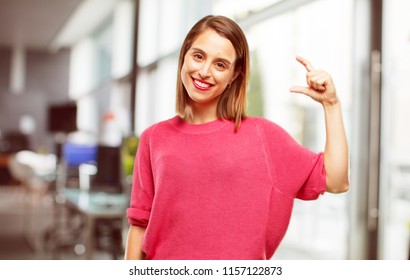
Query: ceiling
column 33, row 24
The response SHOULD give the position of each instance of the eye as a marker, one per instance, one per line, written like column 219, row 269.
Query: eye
column 220, row 66
column 198, row 56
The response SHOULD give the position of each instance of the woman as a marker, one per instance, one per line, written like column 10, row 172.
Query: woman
column 212, row 183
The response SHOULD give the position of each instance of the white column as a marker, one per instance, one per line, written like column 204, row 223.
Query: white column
column 18, row 70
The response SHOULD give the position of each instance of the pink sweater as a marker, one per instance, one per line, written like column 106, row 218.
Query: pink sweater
column 206, row 192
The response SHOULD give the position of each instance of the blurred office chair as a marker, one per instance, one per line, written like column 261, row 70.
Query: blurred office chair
column 36, row 172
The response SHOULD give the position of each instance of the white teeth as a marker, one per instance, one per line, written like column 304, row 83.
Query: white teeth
column 203, row 85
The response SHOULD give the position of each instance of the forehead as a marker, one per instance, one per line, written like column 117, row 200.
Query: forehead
column 214, row 44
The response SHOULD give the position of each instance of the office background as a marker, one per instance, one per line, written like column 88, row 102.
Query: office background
column 81, row 52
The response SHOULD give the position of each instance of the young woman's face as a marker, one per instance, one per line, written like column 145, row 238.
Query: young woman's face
column 208, row 67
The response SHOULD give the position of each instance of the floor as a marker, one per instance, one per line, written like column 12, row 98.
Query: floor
column 16, row 244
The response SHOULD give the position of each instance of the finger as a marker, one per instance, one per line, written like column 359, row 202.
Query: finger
column 319, row 83
column 305, row 63
column 307, row 91
column 318, row 86
column 322, row 82
column 299, row 89
column 317, row 80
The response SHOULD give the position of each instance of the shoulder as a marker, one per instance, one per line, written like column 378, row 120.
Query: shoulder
column 269, row 130
column 262, row 124
column 156, row 128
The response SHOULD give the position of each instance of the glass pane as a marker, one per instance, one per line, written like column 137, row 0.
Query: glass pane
column 103, row 49
column 148, row 31
column 163, row 27
column 240, row 8
column 170, row 26
column 395, row 150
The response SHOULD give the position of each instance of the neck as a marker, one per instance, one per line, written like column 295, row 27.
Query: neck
column 202, row 114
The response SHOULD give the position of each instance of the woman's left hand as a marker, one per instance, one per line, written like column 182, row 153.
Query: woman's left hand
column 321, row 89
column 320, row 85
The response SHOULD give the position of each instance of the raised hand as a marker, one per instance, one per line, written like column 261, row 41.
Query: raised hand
column 320, row 85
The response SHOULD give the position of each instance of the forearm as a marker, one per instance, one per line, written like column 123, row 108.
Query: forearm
column 336, row 150
column 133, row 249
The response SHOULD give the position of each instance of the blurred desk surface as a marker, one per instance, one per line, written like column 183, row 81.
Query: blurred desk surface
column 97, row 204
column 93, row 206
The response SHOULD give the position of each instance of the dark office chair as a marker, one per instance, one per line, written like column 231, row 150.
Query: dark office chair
column 108, row 177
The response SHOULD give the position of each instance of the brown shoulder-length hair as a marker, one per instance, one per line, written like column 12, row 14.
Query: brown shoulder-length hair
column 232, row 102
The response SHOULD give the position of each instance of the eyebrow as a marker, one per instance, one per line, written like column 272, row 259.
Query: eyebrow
column 227, row 61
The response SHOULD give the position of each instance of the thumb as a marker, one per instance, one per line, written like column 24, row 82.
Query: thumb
column 299, row 89
column 315, row 95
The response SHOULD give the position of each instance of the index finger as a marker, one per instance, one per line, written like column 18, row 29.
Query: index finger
column 305, row 63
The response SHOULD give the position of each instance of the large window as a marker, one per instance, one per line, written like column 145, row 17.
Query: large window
column 277, row 31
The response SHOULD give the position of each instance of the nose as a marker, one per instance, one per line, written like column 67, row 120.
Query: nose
column 204, row 71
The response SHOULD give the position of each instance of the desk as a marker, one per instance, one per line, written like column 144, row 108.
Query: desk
column 93, row 206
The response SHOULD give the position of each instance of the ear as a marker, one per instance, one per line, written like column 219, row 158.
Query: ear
column 234, row 77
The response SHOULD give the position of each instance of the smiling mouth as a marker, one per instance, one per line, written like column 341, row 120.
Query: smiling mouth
column 201, row 85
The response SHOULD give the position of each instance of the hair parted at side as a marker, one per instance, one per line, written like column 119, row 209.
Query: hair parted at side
column 232, row 103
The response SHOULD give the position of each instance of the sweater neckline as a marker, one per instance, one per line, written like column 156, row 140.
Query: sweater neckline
column 190, row 128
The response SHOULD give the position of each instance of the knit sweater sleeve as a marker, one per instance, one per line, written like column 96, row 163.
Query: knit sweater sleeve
column 296, row 170
column 142, row 192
